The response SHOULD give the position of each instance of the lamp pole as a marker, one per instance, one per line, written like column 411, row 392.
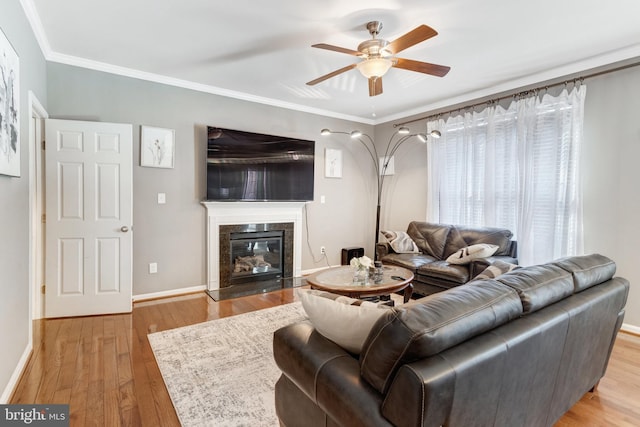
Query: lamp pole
column 391, row 148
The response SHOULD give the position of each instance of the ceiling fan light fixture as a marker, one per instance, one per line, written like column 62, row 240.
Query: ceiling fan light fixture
column 374, row 67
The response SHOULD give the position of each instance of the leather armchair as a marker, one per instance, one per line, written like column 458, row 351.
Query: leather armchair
column 432, row 273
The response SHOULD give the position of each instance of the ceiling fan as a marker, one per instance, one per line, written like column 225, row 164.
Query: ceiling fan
column 378, row 56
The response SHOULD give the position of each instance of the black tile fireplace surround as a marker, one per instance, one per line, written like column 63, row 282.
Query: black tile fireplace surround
column 233, row 284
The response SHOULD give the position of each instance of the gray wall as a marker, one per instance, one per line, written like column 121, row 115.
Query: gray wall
column 15, row 315
column 610, row 176
column 173, row 235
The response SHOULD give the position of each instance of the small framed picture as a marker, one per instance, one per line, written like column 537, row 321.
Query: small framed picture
column 9, row 108
column 387, row 166
column 332, row 163
column 157, row 147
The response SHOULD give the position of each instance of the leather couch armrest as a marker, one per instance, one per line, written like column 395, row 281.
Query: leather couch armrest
column 300, row 352
column 328, row 375
column 382, row 249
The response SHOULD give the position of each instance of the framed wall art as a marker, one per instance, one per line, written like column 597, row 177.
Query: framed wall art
column 332, row 163
column 157, row 147
column 386, row 166
column 9, row 108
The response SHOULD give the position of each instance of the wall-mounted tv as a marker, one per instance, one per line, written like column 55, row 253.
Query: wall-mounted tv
column 245, row 166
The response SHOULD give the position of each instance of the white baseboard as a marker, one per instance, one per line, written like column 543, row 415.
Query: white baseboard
column 15, row 377
column 630, row 328
column 171, row 293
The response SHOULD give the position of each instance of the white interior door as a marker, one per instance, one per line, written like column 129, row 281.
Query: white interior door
column 88, row 218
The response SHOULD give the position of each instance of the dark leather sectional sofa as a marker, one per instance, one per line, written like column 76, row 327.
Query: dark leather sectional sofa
column 432, row 273
column 518, row 350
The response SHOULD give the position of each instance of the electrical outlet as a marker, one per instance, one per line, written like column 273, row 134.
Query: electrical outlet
column 322, row 250
column 153, row 267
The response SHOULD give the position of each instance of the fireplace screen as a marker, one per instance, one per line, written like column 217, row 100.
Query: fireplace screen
column 256, row 256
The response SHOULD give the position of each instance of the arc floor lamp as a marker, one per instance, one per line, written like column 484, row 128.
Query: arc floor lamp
column 382, row 163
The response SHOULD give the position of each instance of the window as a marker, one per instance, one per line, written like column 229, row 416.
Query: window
column 516, row 168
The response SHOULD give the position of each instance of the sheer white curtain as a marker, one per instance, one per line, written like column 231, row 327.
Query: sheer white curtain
column 516, row 168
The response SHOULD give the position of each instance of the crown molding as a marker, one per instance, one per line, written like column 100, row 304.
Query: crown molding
column 185, row 84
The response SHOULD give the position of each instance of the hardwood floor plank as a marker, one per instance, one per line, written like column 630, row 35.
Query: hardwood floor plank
column 141, row 380
column 110, row 374
column 27, row 390
column 127, row 403
column 95, row 392
column 80, row 387
column 70, row 338
column 103, row 366
column 53, row 348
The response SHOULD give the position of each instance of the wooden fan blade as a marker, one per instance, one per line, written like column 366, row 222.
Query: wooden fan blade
column 420, row 34
column 422, row 67
column 337, row 49
column 332, row 74
column 375, row 86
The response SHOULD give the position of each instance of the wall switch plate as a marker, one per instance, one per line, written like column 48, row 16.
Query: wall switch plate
column 153, row 267
column 322, row 199
column 162, row 198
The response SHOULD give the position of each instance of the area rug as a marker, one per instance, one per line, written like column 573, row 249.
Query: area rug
column 222, row 373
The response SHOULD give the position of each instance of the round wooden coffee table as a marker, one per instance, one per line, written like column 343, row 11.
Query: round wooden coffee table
column 339, row 280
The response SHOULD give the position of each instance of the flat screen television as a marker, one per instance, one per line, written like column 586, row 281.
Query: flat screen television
column 245, row 166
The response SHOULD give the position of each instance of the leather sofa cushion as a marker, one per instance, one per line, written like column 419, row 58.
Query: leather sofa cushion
column 460, row 237
column 588, row 270
column 539, row 286
column 430, row 238
column 410, row 261
column 443, row 270
column 433, row 324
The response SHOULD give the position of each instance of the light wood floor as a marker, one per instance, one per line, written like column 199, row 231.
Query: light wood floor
column 104, row 368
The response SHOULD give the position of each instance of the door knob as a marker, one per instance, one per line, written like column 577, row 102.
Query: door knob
column 124, row 228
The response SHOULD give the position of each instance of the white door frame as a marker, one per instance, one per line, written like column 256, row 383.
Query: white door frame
column 36, row 111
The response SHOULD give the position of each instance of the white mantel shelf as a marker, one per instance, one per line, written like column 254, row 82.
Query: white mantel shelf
column 231, row 213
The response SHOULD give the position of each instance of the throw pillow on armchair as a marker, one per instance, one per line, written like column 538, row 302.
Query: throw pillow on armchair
column 468, row 254
column 401, row 242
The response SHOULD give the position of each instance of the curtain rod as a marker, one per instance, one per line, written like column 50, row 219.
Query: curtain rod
column 521, row 93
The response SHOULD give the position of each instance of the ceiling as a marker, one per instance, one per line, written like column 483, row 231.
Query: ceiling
column 261, row 50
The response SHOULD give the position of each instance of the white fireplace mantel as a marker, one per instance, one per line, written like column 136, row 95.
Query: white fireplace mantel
column 231, row 213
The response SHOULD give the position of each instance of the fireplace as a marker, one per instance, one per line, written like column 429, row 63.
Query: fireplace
column 255, row 252
column 224, row 218
column 256, row 256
